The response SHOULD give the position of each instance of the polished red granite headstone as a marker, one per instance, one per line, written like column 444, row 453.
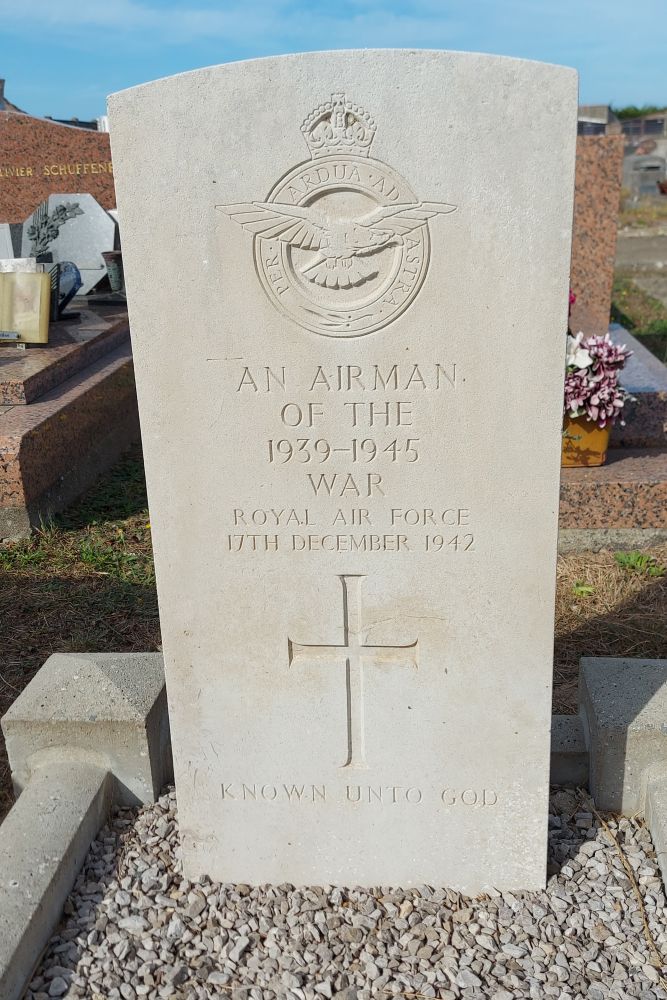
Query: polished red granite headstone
column 39, row 157
column 67, row 411
column 597, row 196
column 74, row 343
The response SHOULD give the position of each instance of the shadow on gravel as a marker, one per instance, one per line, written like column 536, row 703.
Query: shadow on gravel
column 572, row 823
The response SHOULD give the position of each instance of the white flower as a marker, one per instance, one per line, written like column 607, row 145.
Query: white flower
column 577, row 356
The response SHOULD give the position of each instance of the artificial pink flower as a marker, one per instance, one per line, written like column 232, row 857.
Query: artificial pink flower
column 592, row 388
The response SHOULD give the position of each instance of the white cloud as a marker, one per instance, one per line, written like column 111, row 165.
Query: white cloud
column 271, row 23
column 612, row 44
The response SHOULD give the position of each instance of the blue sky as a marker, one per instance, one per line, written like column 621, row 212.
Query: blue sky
column 62, row 57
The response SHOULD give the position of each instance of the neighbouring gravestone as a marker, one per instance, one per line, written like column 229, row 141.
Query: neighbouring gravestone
column 596, row 205
column 350, row 384
column 6, row 243
column 39, row 157
column 73, row 228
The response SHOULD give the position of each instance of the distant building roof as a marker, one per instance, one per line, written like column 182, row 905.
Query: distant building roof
column 6, row 105
column 600, row 114
column 646, row 125
column 92, row 126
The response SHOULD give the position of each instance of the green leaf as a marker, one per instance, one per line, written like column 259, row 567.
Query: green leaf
column 639, row 562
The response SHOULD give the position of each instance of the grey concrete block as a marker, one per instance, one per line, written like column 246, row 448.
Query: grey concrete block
column 655, row 814
column 624, row 706
column 109, row 709
column 569, row 753
column 43, row 843
column 595, row 539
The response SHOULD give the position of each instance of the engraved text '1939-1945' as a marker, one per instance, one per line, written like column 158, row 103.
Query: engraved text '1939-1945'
column 378, row 412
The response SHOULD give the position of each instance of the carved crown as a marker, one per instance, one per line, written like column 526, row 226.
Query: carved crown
column 339, row 126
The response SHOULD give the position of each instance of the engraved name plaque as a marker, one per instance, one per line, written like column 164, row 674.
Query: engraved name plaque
column 332, row 282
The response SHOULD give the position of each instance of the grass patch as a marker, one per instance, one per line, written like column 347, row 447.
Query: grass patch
column 640, row 313
column 642, row 214
column 607, row 604
column 120, row 495
column 635, row 309
column 639, row 562
column 106, row 534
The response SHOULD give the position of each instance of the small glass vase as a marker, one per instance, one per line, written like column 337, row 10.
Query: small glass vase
column 114, row 263
column 584, row 443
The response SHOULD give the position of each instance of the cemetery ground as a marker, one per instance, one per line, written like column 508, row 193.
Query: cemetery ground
column 639, row 295
column 85, row 583
column 135, row 927
column 644, row 214
column 642, row 313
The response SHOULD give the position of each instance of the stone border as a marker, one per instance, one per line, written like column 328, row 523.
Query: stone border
column 655, row 814
column 108, row 709
column 617, row 539
column 645, row 378
column 89, row 731
column 92, row 730
column 623, row 717
column 43, row 844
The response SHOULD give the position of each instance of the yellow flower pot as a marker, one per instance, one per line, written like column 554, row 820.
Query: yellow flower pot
column 584, row 443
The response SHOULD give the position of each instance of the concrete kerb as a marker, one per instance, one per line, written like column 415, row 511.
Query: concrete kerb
column 569, row 753
column 623, row 706
column 655, row 815
column 623, row 715
column 43, row 844
column 89, row 731
column 92, row 730
column 617, row 539
column 106, row 708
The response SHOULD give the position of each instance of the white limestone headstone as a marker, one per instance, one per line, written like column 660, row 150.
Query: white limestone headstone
column 348, row 283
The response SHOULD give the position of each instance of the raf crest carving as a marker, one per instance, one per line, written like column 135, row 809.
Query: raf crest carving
column 341, row 243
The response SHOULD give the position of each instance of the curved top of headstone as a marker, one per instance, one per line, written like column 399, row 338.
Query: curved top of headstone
column 286, row 60
column 250, row 138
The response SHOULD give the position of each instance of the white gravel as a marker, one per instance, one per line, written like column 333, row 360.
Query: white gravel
column 134, row 927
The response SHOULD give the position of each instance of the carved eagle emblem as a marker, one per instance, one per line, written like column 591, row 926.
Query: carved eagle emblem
column 341, row 245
